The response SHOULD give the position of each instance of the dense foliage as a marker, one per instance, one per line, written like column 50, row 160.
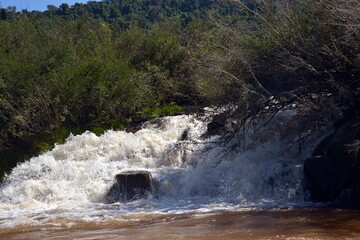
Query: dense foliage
column 104, row 64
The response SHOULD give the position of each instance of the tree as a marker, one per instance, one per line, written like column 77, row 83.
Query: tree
column 52, row 8
column 3, row 14
column 64, row 7
column 11, row 9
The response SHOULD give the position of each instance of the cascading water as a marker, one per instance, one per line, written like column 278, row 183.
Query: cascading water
column 258, row 166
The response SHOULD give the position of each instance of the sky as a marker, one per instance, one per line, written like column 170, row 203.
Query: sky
column 40, row 5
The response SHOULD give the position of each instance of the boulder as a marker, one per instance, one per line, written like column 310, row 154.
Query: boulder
column 318, row 181
column 216, row 126
column 334, row 174
column 130, row 186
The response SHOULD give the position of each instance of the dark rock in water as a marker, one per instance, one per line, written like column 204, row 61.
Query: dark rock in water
column 184, row 135
column 216, row 126
column 318, row 178
column 335, row 176
column 130, row 186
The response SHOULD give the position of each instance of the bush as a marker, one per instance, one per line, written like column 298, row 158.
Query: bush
column 165, row 110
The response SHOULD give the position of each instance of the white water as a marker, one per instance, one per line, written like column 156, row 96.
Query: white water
column 261, row 166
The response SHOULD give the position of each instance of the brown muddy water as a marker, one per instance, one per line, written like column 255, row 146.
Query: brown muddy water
column 284, row 223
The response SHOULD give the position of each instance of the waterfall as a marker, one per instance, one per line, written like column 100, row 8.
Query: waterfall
column 262, row 164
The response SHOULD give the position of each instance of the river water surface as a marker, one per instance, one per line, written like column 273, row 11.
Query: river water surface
column 277, row 223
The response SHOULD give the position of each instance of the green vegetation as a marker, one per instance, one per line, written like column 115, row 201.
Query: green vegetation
column 166, row 110
column 93, row 66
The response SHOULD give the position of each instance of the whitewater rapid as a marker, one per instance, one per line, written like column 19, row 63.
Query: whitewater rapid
column 259, row 166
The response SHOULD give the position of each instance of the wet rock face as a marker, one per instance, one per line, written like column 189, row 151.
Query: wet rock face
column 334, row 175
column 318, row 173
column 130, row 186
column 216, row 125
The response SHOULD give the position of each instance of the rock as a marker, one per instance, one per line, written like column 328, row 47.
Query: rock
column 216, row 126
column 130, row 186
column 317, row 172
column 335, row 175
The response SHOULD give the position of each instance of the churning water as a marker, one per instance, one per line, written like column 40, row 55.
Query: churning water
column 255, row 167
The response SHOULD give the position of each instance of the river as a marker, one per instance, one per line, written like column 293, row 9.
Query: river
column 276, row 223
column 244, row 185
